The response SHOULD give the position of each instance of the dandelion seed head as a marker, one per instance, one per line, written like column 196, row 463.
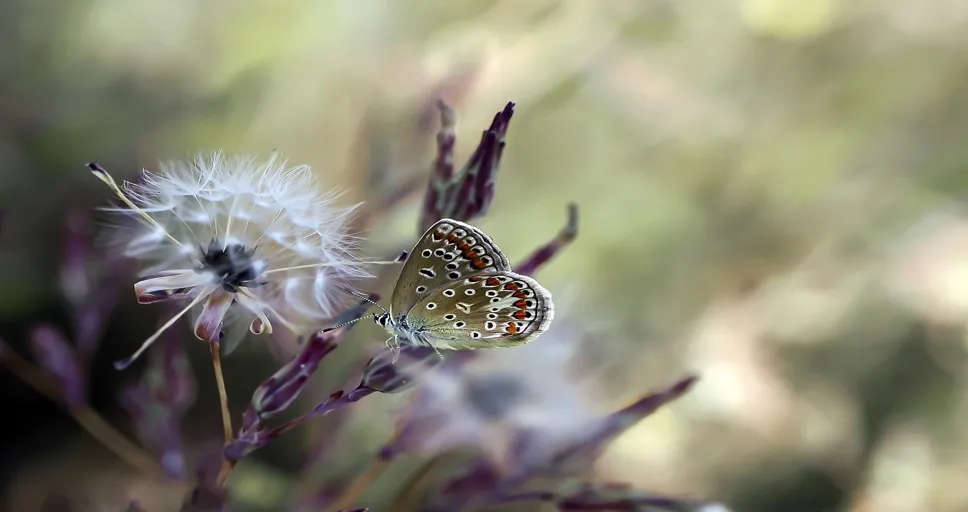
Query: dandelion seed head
column 257, row 233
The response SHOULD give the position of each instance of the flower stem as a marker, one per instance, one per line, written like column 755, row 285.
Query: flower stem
column 92, row 422
column 360, row 485
column 413, row 490
column 227, row 465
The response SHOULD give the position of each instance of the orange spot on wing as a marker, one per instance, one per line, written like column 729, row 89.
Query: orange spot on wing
column 511, row 328
column 511, row 286
column 475, row 279
column 471, row 254
column 453, row 238
column 479, row 263
column 521, row 304
column 520, row 294
column 492, row 281
column 520, row 314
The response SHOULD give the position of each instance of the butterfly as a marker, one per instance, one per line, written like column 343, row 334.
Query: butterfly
column 457, row 291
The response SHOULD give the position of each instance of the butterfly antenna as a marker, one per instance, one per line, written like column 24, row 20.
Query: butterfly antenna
column 365, row 297
column 344, row 324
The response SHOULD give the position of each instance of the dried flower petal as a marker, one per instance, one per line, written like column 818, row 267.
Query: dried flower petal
column 57, row 356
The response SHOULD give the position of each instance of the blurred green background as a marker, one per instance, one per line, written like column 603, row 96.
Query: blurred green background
column 770, row 196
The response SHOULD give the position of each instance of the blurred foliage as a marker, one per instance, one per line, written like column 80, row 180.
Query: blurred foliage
column 770, row 192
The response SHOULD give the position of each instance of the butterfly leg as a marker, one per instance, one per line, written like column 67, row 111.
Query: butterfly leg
column 394, row 349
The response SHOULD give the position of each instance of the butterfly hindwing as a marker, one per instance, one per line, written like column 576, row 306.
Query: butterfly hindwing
column 486, row 309
column 450, row 250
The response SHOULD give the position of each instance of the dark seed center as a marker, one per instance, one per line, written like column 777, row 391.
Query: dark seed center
column 493, row 396
column 233, row 264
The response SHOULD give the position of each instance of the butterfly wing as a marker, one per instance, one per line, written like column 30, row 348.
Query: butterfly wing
column 448, row 251
column 483, row 310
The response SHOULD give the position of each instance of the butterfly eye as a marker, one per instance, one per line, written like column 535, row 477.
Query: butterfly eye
column 495, row 300
column 475, row 334
column 450, row 317
column 426, row 253
column 491, row 293
column 490, row 325
column 427, row 272
column 421, row 289
column 452, row 266
column 470, row 240
column 431, row 305
column 439, row 252
column 492, row 316
column 449, row 293
column 449, row 256
column 469, row 291
column 453, row 275
column 459, row 325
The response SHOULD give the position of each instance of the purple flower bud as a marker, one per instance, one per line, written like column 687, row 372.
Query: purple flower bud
column 56, row 356
column 278, row 392
column 383, row 375
column 468, row 193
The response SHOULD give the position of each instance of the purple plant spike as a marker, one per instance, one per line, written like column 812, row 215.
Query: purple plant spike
column 74, row 275
column 543, row 254
column 255, row 437
column 583, row 454
column 58, row 358
column 278, row 392
column 468, row 193
column 158, row 403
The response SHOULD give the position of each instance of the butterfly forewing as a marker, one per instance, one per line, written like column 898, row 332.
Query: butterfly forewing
column 448, row 251
column 486, row 309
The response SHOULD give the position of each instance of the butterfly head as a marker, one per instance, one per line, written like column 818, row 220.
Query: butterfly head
column 383, row 320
